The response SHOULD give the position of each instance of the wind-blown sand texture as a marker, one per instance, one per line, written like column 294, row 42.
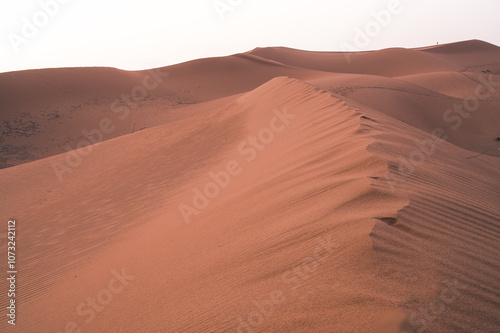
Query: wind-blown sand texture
column 336, row 196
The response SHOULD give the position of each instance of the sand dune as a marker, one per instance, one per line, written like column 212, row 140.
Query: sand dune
column 460, row 85
column 385, row 62
column 46, row 111
column 272, row 191
column 474, row 55
column 231, row 236
column 470, row 55
column 470, row 125
column 63, row 103
column 447, row 235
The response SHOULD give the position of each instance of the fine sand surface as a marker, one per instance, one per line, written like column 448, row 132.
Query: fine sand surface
column 273, row 191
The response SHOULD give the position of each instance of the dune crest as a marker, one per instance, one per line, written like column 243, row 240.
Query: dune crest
column 357, row 197
column 252, row 237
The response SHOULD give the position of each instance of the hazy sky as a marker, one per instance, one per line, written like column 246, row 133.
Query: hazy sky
column 133, row 34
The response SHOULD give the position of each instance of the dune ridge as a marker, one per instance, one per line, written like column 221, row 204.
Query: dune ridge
column 63, row 102
column 263, row 220
column 447, row 235
column 235, row 198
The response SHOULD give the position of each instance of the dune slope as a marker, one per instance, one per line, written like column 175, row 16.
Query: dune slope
column 444, row 246
column 67, row 104
column 52, row 111
column 384, row 62
column 234, row 198
column 292, row 225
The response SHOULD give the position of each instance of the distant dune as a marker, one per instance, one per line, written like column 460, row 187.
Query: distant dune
column 277, row 190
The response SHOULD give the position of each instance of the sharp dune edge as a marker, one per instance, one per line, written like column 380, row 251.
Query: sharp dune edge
column 315, row 227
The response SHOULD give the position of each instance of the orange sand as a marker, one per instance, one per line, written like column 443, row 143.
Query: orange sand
column 330, row 201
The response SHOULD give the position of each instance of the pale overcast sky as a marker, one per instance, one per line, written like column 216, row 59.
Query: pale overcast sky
column 133, row 34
